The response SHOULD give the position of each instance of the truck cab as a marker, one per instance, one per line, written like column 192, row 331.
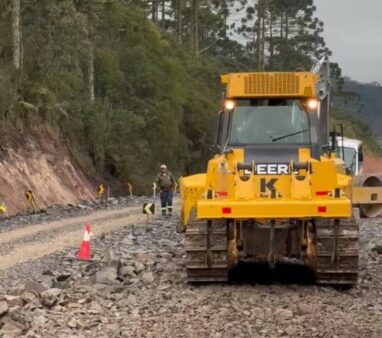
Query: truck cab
column 350, row 151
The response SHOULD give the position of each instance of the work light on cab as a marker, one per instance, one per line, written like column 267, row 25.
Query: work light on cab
column 311, row 105
column 229, row 105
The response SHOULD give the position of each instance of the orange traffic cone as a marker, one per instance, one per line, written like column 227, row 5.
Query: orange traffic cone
column 84, row 250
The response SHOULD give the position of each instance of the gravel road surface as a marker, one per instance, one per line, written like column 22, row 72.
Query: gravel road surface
column 136, row 287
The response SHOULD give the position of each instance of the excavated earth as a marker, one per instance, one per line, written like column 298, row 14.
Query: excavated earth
column 136, row 285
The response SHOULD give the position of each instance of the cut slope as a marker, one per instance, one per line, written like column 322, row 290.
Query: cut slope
column 372, row 165
column 44, row 166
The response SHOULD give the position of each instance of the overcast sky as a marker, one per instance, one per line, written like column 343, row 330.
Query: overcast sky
column 353, row 31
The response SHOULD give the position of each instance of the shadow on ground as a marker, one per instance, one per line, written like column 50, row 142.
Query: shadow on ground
column 283, row 273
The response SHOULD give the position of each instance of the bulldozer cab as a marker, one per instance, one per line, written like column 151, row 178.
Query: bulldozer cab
column 271, row 129
column 272, row 120
column 272, row 115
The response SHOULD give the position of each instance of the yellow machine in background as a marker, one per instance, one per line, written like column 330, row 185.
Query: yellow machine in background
column 275, row 188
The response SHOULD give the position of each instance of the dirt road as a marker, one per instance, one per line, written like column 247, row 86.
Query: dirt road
column 34, row 241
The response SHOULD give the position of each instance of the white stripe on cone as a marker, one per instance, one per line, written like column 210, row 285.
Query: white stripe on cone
column 87, row 236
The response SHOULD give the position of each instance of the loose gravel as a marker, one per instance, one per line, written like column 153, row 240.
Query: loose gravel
column 136, row 287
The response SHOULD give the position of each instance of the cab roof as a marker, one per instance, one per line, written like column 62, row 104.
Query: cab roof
column 270, row 85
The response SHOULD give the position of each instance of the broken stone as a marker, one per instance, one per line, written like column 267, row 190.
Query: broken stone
column 377, row 248
column 34, row 287
column 46, row 281
column 3, row 307
column 73, row 306
column 128, row 271
column 111, row 259
column 11, row 329
column 303, row 309
column 170, row 267
column 107, row 275
column 132, row 281
column 104, row 320
column 167, row 242
column 139, row 267
column 100, row 286
column 95, row 307
column 62, row 281
column 90, row 269
column 31, row 297
column 131, row 299
column 50, row 297
column 40, row 320
column 14, row 309
column 48, row 273
column 19, row 317
column 63, row 277
column 147, row 277
column 135, row 313
column 284, row 314
column 72, row 323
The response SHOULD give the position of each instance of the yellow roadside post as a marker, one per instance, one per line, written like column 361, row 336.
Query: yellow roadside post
column 3, row 209
column 101, row 191
column 154, row 189
column 130, row 189
column 148, row 209
column 30, row 198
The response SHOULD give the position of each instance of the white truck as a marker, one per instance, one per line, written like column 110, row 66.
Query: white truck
column 367, row 188
column 350, row 150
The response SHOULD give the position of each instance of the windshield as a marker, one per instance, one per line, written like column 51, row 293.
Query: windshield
column 350, row 157
column 269, row 121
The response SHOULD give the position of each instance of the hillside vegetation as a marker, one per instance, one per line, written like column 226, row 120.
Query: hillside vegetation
column 132, row 84
column 368, row 106
column 359, row 107
column 358, row 129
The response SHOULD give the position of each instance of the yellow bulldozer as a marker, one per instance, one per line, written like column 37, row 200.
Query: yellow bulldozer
column 277, row 186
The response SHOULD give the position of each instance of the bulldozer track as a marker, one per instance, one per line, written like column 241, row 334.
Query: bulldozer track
column 337, row 251
column 206, row 250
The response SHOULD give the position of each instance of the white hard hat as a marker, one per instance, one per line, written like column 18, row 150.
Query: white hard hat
column 163, row 166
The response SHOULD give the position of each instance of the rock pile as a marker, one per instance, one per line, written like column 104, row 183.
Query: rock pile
column 136, row 287
column 90, row 298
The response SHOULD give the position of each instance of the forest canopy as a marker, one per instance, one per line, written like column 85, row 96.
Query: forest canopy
column 134, row 83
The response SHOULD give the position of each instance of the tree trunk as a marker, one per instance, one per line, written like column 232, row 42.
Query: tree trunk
column 163, row 14
column 180, row 21
column 281, row 25
column 157, row 10
column 16, row 34
column 258, row 40
column 154, row 11
column 253, row 57
column 192, row 28
column 286, row 27
column 263, row 29
column 91, row 42
column 196, row 27
column 271, row 43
